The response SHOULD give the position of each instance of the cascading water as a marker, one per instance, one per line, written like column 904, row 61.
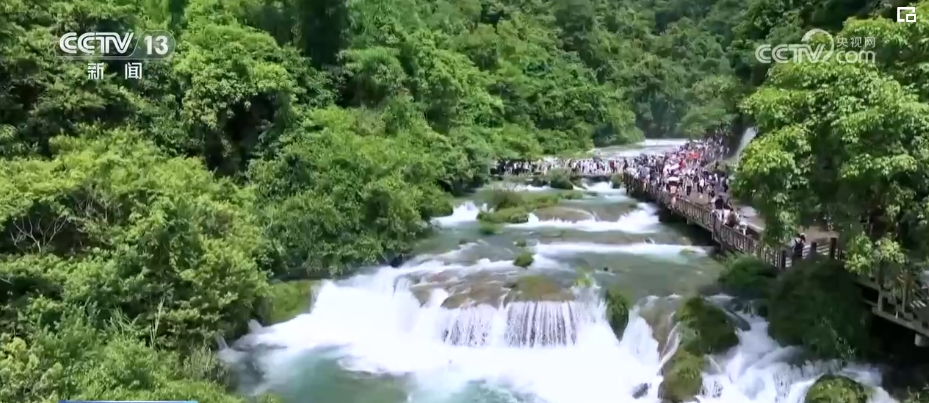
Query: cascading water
column 747, row 137
column 458, row 325
column 642, row 220
column 558, row 352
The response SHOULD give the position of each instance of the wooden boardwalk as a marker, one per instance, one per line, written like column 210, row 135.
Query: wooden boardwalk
column 903, row 301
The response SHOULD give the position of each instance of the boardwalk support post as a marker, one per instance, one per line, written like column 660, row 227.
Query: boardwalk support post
column 833, row 246
column 782, row 260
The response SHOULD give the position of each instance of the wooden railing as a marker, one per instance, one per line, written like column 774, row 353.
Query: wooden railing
column 902, row 297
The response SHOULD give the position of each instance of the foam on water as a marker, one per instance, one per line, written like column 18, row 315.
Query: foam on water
column 606, row 189
column 643, row 220
column 377, row 326
column 664, row 251
column 462, row 214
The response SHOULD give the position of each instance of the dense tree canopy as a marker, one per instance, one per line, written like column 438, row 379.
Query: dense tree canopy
column 848, row 142
column 303, row 138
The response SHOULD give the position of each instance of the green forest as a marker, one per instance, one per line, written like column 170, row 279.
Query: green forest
column 299, row 139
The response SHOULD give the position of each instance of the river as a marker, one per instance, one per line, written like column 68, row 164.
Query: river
column 436, row 331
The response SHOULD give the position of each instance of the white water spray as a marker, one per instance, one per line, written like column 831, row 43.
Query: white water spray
column 643, row 220
column 747, row 137
column 557, row 352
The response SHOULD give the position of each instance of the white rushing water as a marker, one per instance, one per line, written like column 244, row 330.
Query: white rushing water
column 462, row 214
column 747, row 137
column 558, row 352
column 392, row 324
column 643, row 220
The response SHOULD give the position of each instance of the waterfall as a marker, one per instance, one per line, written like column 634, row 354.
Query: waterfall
column 557, row 352
column 518, row 324
column 747, row 136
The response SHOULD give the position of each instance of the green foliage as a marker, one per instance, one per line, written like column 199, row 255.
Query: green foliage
column 746, row 276
column 616, row 181
column 505, row 198
column 704, row 327
column 836, row 389
column 286, row 300
column 524, row 259
column 511, row 207
column 560, row 179
column 617, row 310
column 514, row 215
column 488, row 228
column 584, row 279
column 78, row 360
column 112, row 223
column 817, row 305
column 846, row 141
column 682, row 377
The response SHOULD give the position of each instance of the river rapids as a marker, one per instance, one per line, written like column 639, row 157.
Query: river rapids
column 462, row 324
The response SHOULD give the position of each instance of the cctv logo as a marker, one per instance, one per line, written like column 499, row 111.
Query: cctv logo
column 100, row 43
column 906, row 14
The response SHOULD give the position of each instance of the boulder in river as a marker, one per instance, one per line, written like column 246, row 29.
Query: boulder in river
column 683, row 377
column 617, row 310
column 524, row 260
column 836, row 389
column 703, row 329
column 640, row 390
column 537, row 288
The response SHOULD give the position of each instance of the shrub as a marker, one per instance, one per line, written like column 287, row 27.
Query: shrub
column 560, row 179
column 523, row 259
column 747, row 277
column 617, row 310
column 836, row 389
column 488, row 228
column 505, row 198
column 817, row 305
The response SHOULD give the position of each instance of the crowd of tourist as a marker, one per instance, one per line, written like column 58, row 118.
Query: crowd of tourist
column 692, row 171
column 581, row 166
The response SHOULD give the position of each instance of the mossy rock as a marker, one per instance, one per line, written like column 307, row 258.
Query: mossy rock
column 441, row 209
column 617, row 310
column 538, row 181
column 505, row 198
column 523, row 259
column 520, row 243
column 286, row 300
column 705, row 328
column 683, row 377
column 560, row 179
column 537, row 288
column 584, row 279
column 572, row 195
column 836, row 389
column 616, row 181
column 563, row 183
column 488, row 228
column 817, row 305
column 512, row 215
column 747, row 277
